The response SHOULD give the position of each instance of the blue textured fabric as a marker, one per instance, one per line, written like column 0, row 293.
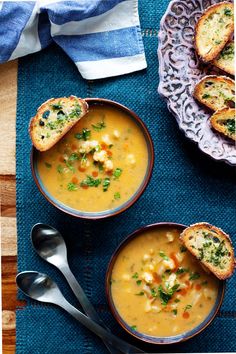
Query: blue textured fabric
column 186, row 187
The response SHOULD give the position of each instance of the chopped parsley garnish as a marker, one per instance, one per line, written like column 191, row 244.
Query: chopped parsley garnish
column 227, row 12
column 175, row 311
column 194, row 276
column 177, row 300
column 72, row 186
column 71, row 168
column 56, row 106
column 99, row 126
column 48, row 165
column 73, row 157
column 117, row 173
column 139, row 282
column 59, row 169
column 91, row 182
column 75, row 112
column 206, row 95
column 106, row 183
column 85, row 135
column 134, row 328
column 182, row 270
column 117, row 195
column 187, row 307
column 165, row 296
column 141, row 293
column 183, row 249
column 135, row 275
column 168, row 271
column 231, row 127
column 163, row 255
column 154, row 293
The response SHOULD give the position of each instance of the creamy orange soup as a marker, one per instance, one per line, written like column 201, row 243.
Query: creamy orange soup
column 99, row 164
column 157, row 286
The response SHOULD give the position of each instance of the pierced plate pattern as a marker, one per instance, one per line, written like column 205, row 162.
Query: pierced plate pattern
column 180, row 70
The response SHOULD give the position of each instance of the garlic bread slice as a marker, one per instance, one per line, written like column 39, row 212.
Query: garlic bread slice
column 211, row 246
column 226, row 60
column 224, row 121
column 53, row 120
column 213, row 30
column 215, row 92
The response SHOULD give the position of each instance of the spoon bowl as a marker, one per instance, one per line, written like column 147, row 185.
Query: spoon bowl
column 49, row 244
column 38, row 286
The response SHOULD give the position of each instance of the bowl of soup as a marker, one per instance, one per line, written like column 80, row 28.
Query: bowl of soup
column 157, row 290
column 101, row 166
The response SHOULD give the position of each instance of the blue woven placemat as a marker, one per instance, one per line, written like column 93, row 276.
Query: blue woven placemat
column 186, row 187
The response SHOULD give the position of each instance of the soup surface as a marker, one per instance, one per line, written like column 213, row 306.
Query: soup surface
column 157, row 286
column 99, row 164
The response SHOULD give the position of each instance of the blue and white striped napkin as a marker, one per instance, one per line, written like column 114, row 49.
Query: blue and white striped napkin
column 102, row 37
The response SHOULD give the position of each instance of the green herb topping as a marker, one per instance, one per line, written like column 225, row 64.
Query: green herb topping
column 165, row 296
column 106, row 184
column 117, row 195
column 56, row 106
column 187, row 307
column 48, row 165
column 141, row 293
column 99, row 126
column 194, row 276
column 91, row 182
column 135, row 275
column 163, row 255
column 117, row 173
column 72, row 186
column 85, row 135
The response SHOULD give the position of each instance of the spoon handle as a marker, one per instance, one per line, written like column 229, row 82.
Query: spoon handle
column 84, row 301
column 80, row 294
column 106, row 336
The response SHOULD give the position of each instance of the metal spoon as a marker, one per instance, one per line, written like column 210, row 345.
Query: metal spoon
column 50, row 245
column 42, row 288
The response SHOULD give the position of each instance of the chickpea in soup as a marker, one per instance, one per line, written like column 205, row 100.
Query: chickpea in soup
column 157, row 286
column 99, row 164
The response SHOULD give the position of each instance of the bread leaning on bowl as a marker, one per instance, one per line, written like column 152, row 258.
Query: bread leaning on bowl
column 215, row 92
column 224, row 121
column 213, row 30
column 211, row 246
column 226, row 60
column 53, row 120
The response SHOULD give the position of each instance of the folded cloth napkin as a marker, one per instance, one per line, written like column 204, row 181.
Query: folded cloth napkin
column 102, row 37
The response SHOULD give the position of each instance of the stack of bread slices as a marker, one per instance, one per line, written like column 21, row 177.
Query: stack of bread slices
column 214, row 44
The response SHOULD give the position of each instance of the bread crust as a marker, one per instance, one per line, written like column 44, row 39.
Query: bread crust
column 224, row 114
column 226, row 65
column 44, row 107
column 215, row 49
column 220, row 274
column 200, row 90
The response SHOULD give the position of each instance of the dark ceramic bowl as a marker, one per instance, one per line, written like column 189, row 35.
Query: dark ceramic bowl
column 143, row 337
column 127, row 204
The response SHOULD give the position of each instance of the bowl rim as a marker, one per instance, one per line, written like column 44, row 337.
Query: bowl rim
column 139, row 191
column 141, row 336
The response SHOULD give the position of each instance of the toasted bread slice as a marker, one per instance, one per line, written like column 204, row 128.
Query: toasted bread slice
column 211, row 246
column 224, row 121
column 225, row 60
column 53, row 120
column 213, row 30
column 216, row 92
